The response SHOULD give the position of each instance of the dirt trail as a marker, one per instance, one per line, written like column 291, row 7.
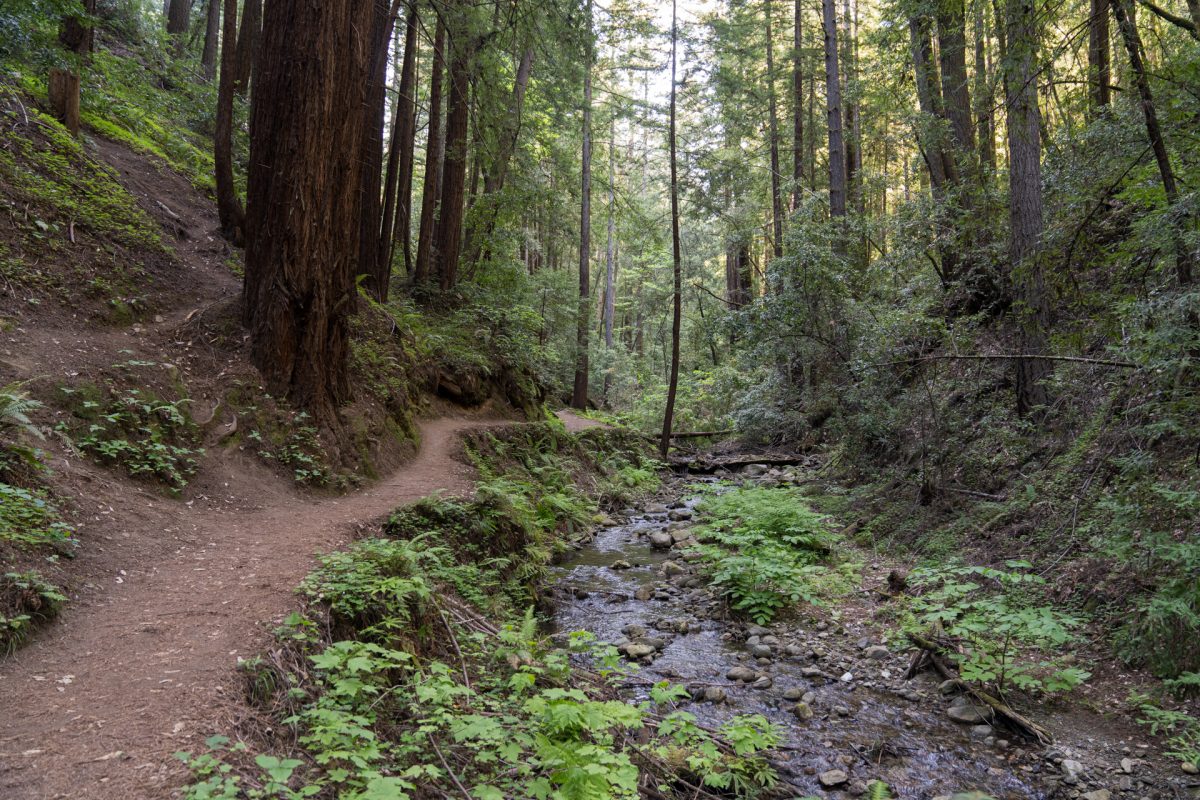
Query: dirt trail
column 144, row 666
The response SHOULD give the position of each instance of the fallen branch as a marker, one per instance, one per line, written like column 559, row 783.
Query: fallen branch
column 999, row 498
column 446, row 764
column 1102, row 362
column 706, row 467
column 1023, row 724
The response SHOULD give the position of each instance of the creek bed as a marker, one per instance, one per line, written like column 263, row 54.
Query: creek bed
column 866, row 721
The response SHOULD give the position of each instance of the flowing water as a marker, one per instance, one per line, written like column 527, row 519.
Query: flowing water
column 866, row 720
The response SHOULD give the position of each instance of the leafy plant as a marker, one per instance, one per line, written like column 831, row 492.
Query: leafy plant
column 28, row 519
column 995, row 615
column 26, row 599
column 1181, row 729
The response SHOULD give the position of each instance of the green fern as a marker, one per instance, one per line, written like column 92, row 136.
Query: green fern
column 15, row 405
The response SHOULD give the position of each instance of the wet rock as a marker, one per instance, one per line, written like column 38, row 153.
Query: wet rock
column 634, row 631
column 604, row 520
column 1127, row 766
column 761, row 651
column 951, row 686
column 620, row 564
column 743, row 674
column 715, row 694
column 671, row 569
column 802, row 711
column 847, row 677
column 679, row 515
column 794, row 650
column 793, row 694
column 1072, row 770
column 770, row 639
column 1189, row 768
column 969, row 714
column 765, row 682
column 842, row 711
column 681, row 535
column 813, row 672
column 857, row 789
column 656, row 508
column 643, row 593
column 757, row 630
column 751, row 641
column 832, row 778
column 808, row 697
column 636, row 651
column 981, row 732
column 661, row 541
column 1099, row 794
column 876, row 652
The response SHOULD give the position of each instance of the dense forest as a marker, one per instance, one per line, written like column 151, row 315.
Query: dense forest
column 721, row 398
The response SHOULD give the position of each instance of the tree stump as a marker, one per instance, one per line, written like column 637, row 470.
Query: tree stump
column 64, row 98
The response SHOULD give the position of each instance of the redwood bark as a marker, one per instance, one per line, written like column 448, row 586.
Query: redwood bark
column 773, row 128
column 833, row 97
column 434, row 149
column 676, row 259
column 212, row 31
column 984, row 115
column 1099, row 57
column 308, row 116
column 397, row 209
column 797, row 102
column 178, row 15
column 579, row 394
column 247, row 44
column 229, row 206
column 454, row 167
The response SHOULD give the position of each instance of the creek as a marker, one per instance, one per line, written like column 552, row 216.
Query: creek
column 836, row 692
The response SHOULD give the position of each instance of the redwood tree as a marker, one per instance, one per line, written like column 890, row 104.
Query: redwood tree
column 229, row 206
column 664, row 442
column 308, row 114
column 579, row 395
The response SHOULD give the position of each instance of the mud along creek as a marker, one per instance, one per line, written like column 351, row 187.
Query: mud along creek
column 834, row 687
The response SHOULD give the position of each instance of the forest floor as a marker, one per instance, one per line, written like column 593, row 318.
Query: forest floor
column 167, row 594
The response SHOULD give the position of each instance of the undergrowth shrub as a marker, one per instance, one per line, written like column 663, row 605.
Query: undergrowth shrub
column 26, row 600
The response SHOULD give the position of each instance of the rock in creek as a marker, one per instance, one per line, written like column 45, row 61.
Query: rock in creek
column 876, row 652
column 636, row 651
column 679, row 515
column 969, row 714
column 620, row 564
column 661, row 540
column 743, row 674
column 656, row 508
column 643, row 593
column 715, row 694
column 832, row 778
column 802, row 711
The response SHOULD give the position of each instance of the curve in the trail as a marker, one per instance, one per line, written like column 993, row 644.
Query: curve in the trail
column 144, row 665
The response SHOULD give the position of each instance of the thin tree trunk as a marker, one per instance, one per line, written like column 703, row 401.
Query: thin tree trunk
column 664, row 443
column 853, row 177
column 212, row 32
column 984, row 119
column 62, row 88
column 434, row 150
column 797, row 102
column 371, row 264
column 454, row 164
column 1025, row 203
column 579, row 396
column 247, row 44
column 397, row 208
column 773, row 128
column 833, row 97
column 179, row 14
column 1133, row 47
column 952, row 52
column 229, row 205
column 1099, row 58
column 308, row 115
column 610, row 258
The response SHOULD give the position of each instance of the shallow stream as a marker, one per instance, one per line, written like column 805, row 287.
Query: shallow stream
column 863, row 719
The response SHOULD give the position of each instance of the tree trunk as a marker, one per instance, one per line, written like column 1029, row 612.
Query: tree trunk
column 676, row 259
column 434, row 149
column 454, row 164
column 75, row 33
column 1099, row 94
column 63, row 93
column 984, row 120
column 952, row 53
column 212, row 32
column 229, row 206
column 773, row 128
column 1133, row 47
column 397, row 208
column 579, row 395
column 610, row 255
column 833, row 95
column 179, row 14
column 248, row 44
column 797, row 102
column 853, row 156
column 370, row 229
column 1025, row 202
column 308, row 116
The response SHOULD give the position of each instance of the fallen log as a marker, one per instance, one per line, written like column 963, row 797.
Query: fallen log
column 935, row 658
column 705, row 467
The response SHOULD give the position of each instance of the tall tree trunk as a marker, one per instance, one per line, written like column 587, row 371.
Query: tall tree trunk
column 610, row 256
column 1099, row 93
column 773, row 128
column 308, row 115
column 797, row 102
column 985, row 122
column 833, row 98
column 579, row 395
column 248, row 44
column 397, row 195
column 1133, row 46
column 454, row 164
column 434, row 149
column 229, row 205
column 952, row 53
column 212, row 32
column 179, row 14
column 371, row 247
column 664, row 443
column 1025, row 203
column 853, row 156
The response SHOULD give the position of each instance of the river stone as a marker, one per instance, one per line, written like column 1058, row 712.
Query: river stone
column 802, row 711
column 969, row 714
column 661, row 541
column 812, row 672
column 621, row 563
column 679, row 515
column 795, row 693
column 1189, row 768
column 752, row 641
column 981, row 731
column 1099, row 794
column 636, row 651
column 833, row 777
column 876, row 652
column 656, row 508
column 634, row 631
column 743, row 674
column 757, row 630
column 671, row 569
column 681, row 535
column 643, row 593
column 761, row 651
column 715, row 694
column 770, row 639
column 765, row 682
column 1072, row 770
